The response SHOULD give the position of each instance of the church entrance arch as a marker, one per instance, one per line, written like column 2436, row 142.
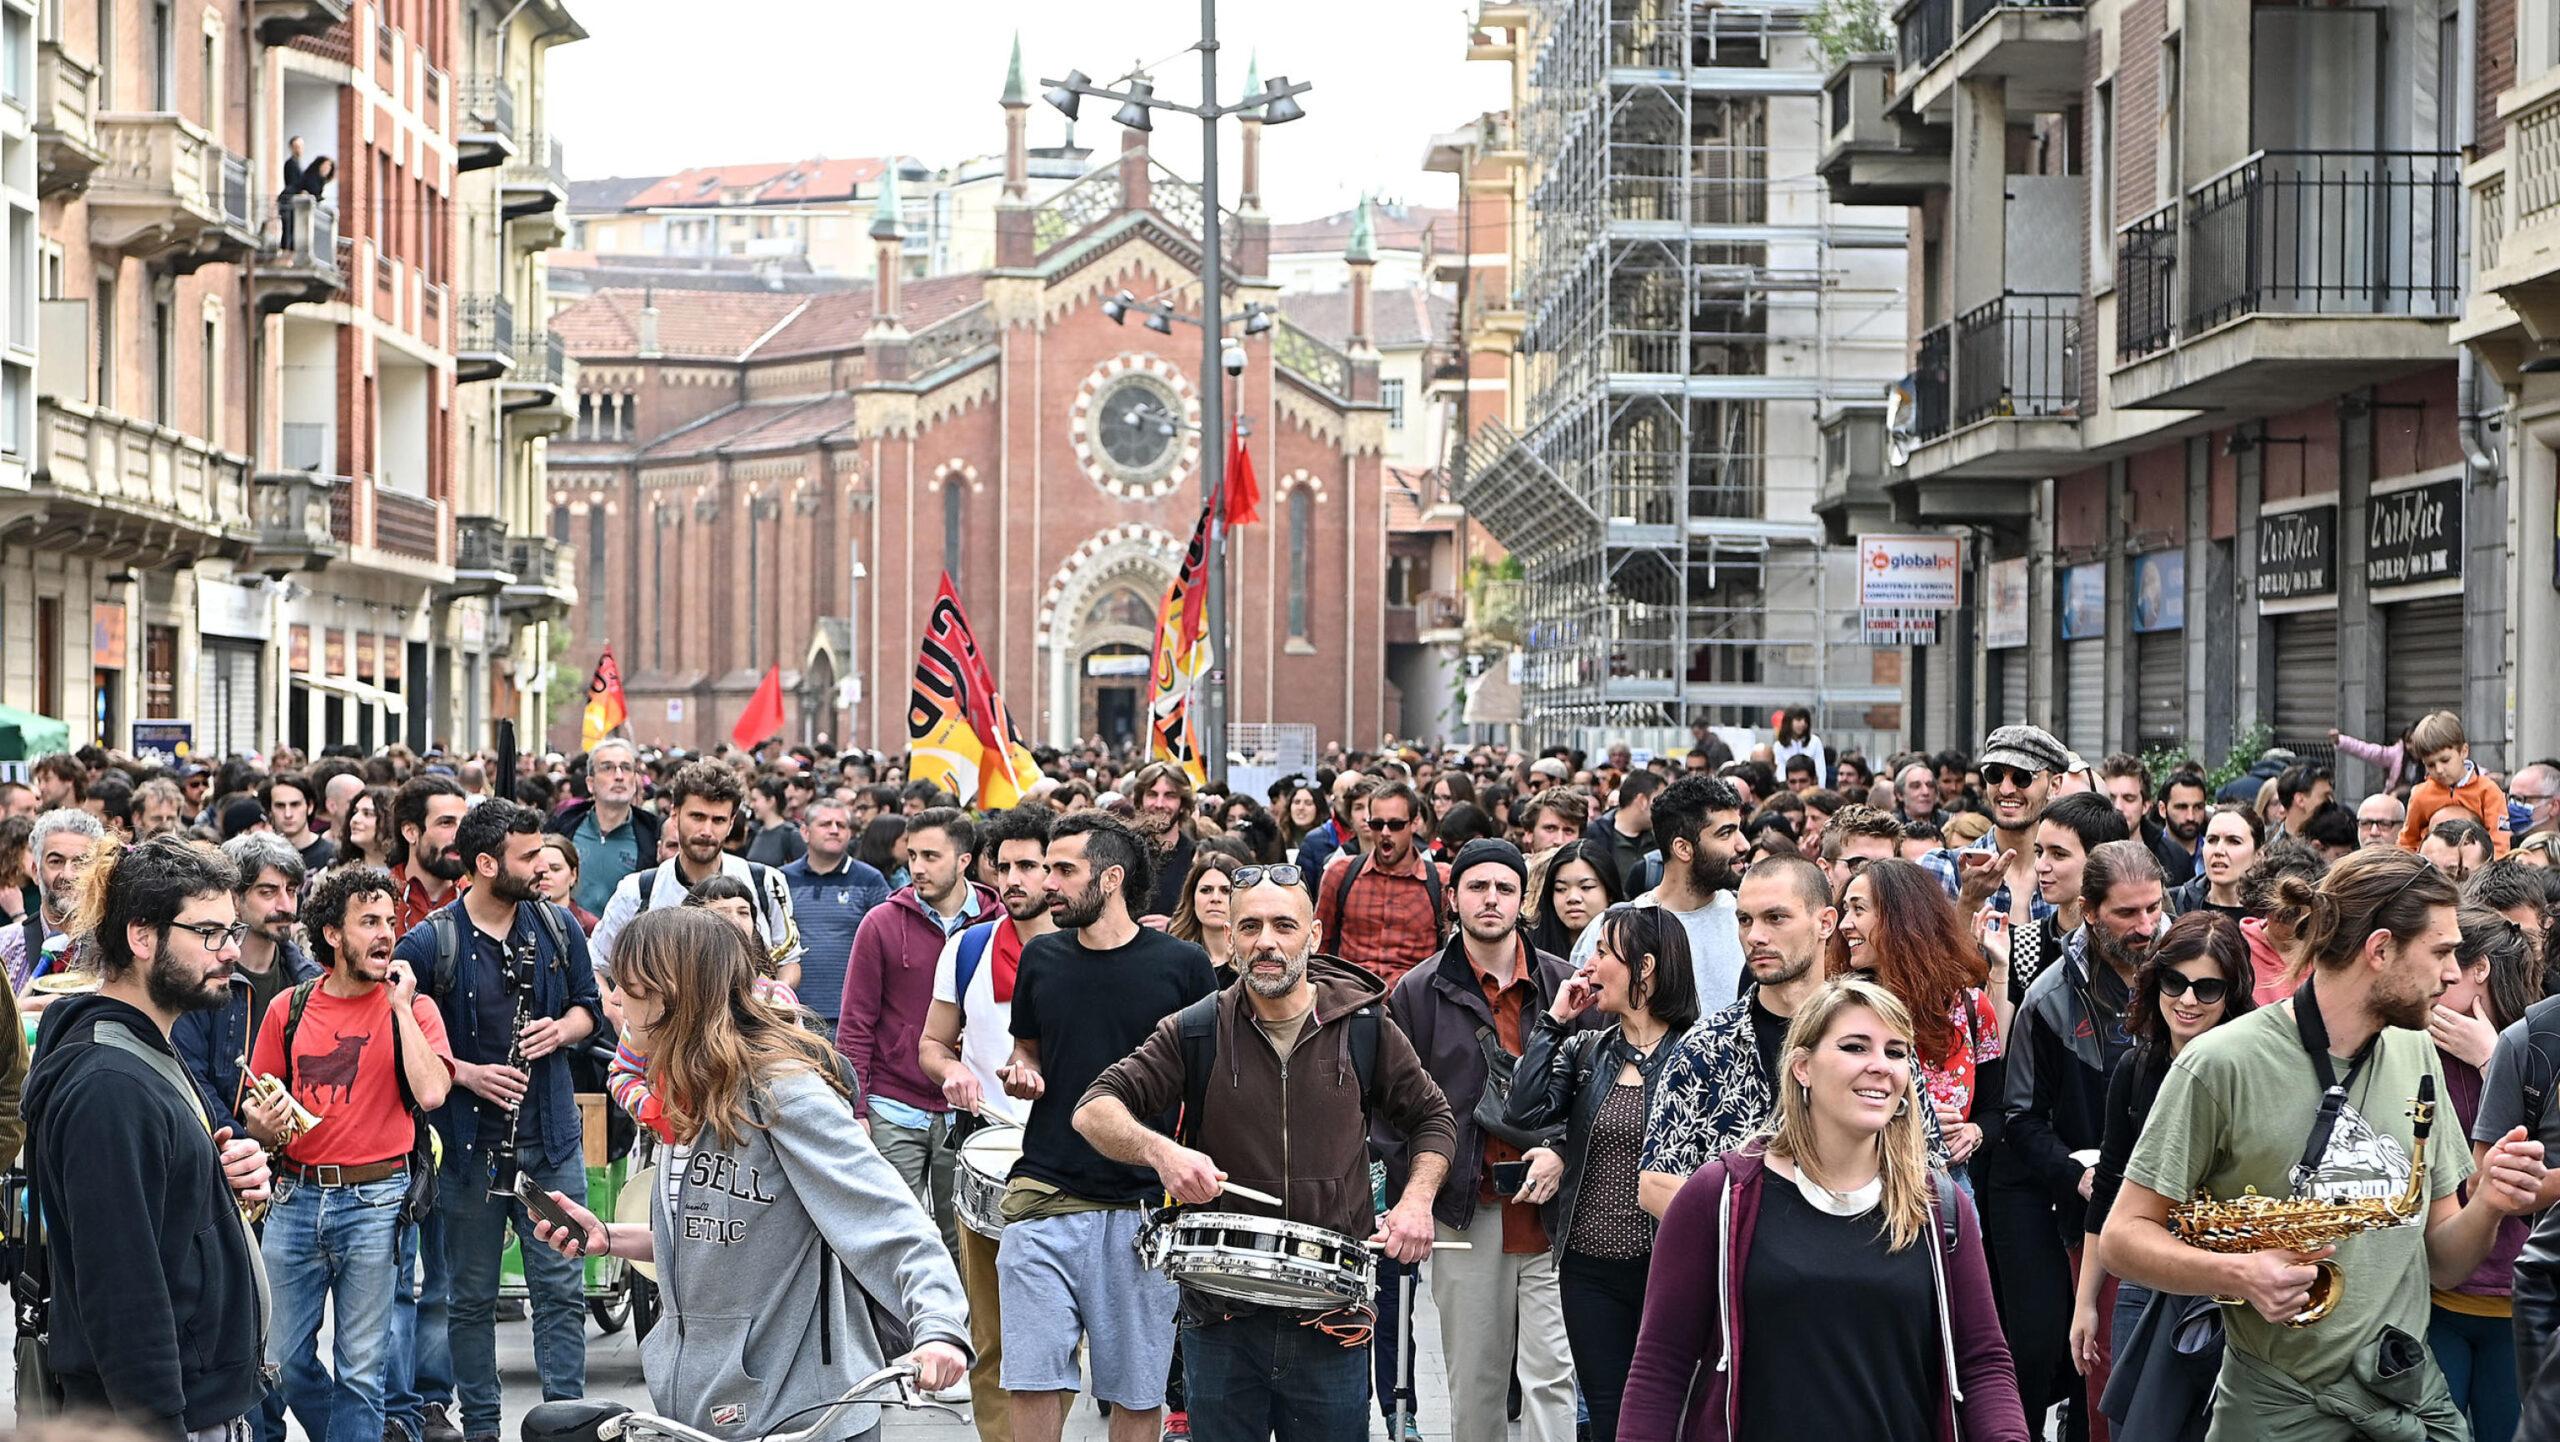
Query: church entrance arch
column 1097, row 635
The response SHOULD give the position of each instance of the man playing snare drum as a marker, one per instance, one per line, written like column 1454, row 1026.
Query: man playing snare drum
column 1278, row 1075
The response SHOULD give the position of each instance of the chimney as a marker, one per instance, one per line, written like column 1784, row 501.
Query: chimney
column 649, row 322
column 1249, row 195
column 1134, row 191
column 887, row 259
column 1362, row 256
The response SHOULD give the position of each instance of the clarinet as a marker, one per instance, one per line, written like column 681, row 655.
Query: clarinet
column 521, row 964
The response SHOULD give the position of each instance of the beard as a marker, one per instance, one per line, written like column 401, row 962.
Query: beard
column 178, row 989
column 507, row 886
column 1023, row 905
column 2124, row 953
column 1078, row 909
column 278, row 927
column 2412, row 1004
column 443, row 865
column 1293, row 971
column 64, row 895
column 1787, row 971
column 1711, row 873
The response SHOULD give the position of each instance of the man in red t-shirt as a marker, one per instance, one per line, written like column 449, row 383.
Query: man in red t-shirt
column 334, row 1237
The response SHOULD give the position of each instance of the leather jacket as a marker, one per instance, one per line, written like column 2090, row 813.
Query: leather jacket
column 1564, row 1076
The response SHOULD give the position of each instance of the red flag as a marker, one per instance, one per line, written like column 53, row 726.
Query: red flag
column 1244, row 493
column 762, row 720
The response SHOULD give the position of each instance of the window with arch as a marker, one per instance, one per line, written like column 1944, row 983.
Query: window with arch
column 1120, row 606
column 1301, row 546
column 955, row 515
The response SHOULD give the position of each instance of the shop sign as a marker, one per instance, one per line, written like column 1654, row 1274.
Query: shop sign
column 1924, row 572
column 164, row 743
column 2084, row 601
column 2298, row 553
column 227, row 608
column 106, row 637
column 298, row 651
column 367, row 657
column 2414, row 535
column 1897, row 626
column 333, row 651
column 675, row 710
column 2159, row 592
column 2005, row 606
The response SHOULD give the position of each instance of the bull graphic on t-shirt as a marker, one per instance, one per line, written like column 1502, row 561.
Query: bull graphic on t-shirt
column 334, row 1069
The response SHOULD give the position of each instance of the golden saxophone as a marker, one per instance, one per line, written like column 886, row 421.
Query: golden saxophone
column 298, row 1119
column 2254, row 1222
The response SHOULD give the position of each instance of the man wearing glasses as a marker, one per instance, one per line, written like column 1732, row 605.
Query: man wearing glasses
column 1857, row 835
column 1383, row 907
column 2533, row 797
column 2018, row 766
column 2378, row 821
column 614, row 838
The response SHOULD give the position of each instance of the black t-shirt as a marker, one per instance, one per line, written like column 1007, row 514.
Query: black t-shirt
column 1769, row 1033
column 1822, row 1297
column 264, row 987
column 1172, row 869
column 317, row 854
column 1087, row 1010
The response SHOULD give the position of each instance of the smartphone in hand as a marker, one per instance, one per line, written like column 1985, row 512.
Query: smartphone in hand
column 1509, row 1177
column 538, row 1202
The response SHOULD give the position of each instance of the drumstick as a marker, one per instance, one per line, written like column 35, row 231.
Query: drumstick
column 1250, row 1195
column 1435, row 1246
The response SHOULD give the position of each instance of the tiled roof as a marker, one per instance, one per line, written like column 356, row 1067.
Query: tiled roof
column 692, row 324
column 1399, row 319
column 788, row 182
column 836, row 322
column 759, row 426
column 1405, row 493
column 1398, row 227
column 607, row 193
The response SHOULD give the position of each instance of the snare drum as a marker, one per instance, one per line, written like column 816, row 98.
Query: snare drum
column 1262, row 1260
column 977, row 1184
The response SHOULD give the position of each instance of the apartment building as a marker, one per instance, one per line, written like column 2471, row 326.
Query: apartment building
column 2181, row 380
column 1691, row 308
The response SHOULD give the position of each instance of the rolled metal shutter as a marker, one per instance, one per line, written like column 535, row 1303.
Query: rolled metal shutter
column 226, row 698
column 2010, row 699
column 2084, row 702
column 1938, row 718
column 2159, row 689
column 2306, row 677
column 2422, row 661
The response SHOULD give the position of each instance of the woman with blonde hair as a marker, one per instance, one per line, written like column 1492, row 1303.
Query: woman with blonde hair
column 1831, row 1248
column 779, row 1231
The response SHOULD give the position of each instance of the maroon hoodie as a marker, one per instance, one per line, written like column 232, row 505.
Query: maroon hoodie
column 1680, row 1382
column 888, row 988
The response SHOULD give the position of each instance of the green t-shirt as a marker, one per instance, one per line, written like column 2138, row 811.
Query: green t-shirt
column 2234, row 1113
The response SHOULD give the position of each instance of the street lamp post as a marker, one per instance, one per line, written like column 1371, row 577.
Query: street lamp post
column 1278, row 103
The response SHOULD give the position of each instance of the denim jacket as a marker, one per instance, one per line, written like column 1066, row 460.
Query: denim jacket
column 211, row 1043
column 562, row 983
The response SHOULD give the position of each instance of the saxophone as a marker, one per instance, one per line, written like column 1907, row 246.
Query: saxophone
column 522, row 962
column 2253, row 1222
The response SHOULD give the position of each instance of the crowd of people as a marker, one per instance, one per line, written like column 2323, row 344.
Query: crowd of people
column 1987, row 1094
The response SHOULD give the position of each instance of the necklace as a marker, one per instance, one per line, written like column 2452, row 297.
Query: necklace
column 1857, row 1201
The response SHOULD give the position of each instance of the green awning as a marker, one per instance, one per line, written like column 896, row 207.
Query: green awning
column 24, row 735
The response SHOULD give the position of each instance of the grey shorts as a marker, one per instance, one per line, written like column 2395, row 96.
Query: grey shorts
column 1075, row 1277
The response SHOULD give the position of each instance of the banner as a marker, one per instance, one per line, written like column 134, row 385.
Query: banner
column 960, row 737
column 606, row 708
column 1182, row 658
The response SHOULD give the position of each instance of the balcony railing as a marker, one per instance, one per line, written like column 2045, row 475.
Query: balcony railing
column 66, row 120
column 2325, row 233
column 1929, row 377
column 488, row 107
column 542, row 164
column 2018, row 356
column 2147, row 283
column 1974, row 12
column 2489, row 221
column 2533, row 143
column 541, row 359
column 480, row 545
column 405, row 524
column 1924, row 29
column 962, row 333
column 1293, row 348
column 488, row 326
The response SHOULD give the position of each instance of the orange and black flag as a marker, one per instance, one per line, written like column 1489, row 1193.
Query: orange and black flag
column 606, row 709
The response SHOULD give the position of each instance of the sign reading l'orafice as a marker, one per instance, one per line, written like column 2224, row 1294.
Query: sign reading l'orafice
column 2414, row 534
column 2298, row 553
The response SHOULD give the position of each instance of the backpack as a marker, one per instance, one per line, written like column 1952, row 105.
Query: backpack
column 1342, row 895
column 974, row 942
column 2541, row 1045
column 420, row 1203
column 448, row 940
column 1199, row 1027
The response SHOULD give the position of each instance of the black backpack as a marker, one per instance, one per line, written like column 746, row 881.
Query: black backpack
column 1199, row 1028
column 448, row 939
column 421, row 1200
column 1342, row 897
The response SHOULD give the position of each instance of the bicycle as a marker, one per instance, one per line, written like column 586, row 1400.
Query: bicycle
column 589, row 1419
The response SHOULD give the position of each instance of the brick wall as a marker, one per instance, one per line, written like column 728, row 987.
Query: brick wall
column 2497, row 69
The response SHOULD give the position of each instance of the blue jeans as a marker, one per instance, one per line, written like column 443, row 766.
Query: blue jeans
column 1265, row 1377
column 334, row 1249
column 475, row 1238
column 2478, row 1358
column 421, row 1361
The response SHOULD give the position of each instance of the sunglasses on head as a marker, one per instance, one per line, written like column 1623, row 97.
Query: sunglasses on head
column 1996, row 774
column 1281, row 875
column 2207, row 989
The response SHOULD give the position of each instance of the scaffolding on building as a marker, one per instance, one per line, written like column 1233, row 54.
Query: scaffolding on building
column 1693, row 304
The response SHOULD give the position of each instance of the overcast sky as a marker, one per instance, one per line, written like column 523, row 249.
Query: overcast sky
column 665, row 84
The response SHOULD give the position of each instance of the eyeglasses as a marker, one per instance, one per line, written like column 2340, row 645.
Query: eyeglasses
column 613, row 768
column 1996, row 774
column 1389, row 823
column 2207, row 989
column 214, row 935
column 1281, row 875
column 2376, row 823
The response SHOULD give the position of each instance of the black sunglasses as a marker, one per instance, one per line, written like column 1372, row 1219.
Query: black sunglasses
column 2207, row 989
column 1389, row 823
column 1996, row 774
column 1281, row 875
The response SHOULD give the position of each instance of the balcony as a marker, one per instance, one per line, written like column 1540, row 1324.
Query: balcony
column 484, row 340
column 1440, row 618
column 2012, row 395
column 2291, row 277
column 480, row 557
column 1869, row 156
column 66, row 121
column 166, row 192
column 2516, row 234
column 533, row 189
column 126, row 492
column 280, row 22
column 2038, row 48
column 545, row 587
column 291, row 514
column 1852, row 499
column 403, row 525
column 540, row 396
column 1926, row 493
column 304, row 260
column 484, row 124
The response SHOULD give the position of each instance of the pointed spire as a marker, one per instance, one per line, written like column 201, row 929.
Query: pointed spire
column 1014, row 93
column 1363, row 248
column 1253, row 82
column 884, row 214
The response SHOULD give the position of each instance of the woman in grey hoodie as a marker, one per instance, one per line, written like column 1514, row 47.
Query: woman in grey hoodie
column 792, row 1260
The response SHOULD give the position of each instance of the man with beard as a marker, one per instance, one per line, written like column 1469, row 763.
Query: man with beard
column 1699, row 821
column 2067, row 1036
column 2128, row 785
column 968, row 1036
column 702, row 807
column 473, row 957
column 1294, row 1026
column 1382, row 908
column 424, row 816
column 361, row 1049
column 214, row 1043
column 60, row 847
column 2246, row 1103
column 156, row 1305
column 1720, row 1086
column 1164, row 818
column 2019, row 766
column 1085, row 996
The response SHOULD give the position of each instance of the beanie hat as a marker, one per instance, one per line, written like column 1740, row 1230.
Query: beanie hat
column 1487, row 851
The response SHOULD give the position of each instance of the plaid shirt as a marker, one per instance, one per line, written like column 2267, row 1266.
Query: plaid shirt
column 1950, row 873
column 1387, row 926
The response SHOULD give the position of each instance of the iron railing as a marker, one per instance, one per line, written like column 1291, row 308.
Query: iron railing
column 1929, row 380
column 2147, row 283
column 542, row 359
column 479, row 544
column 487, row 326
column 2018, row 356
column 540, row 164
column 488, row 105
column 2320, row 232
column 1924, row 30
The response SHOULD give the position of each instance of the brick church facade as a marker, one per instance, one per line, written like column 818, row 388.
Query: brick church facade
column 761, row 479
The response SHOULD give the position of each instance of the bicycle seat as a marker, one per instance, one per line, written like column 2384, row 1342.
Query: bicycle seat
column 577, row 1420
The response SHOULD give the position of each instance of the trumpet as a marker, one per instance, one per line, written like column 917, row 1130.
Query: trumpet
column 298, row 1119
